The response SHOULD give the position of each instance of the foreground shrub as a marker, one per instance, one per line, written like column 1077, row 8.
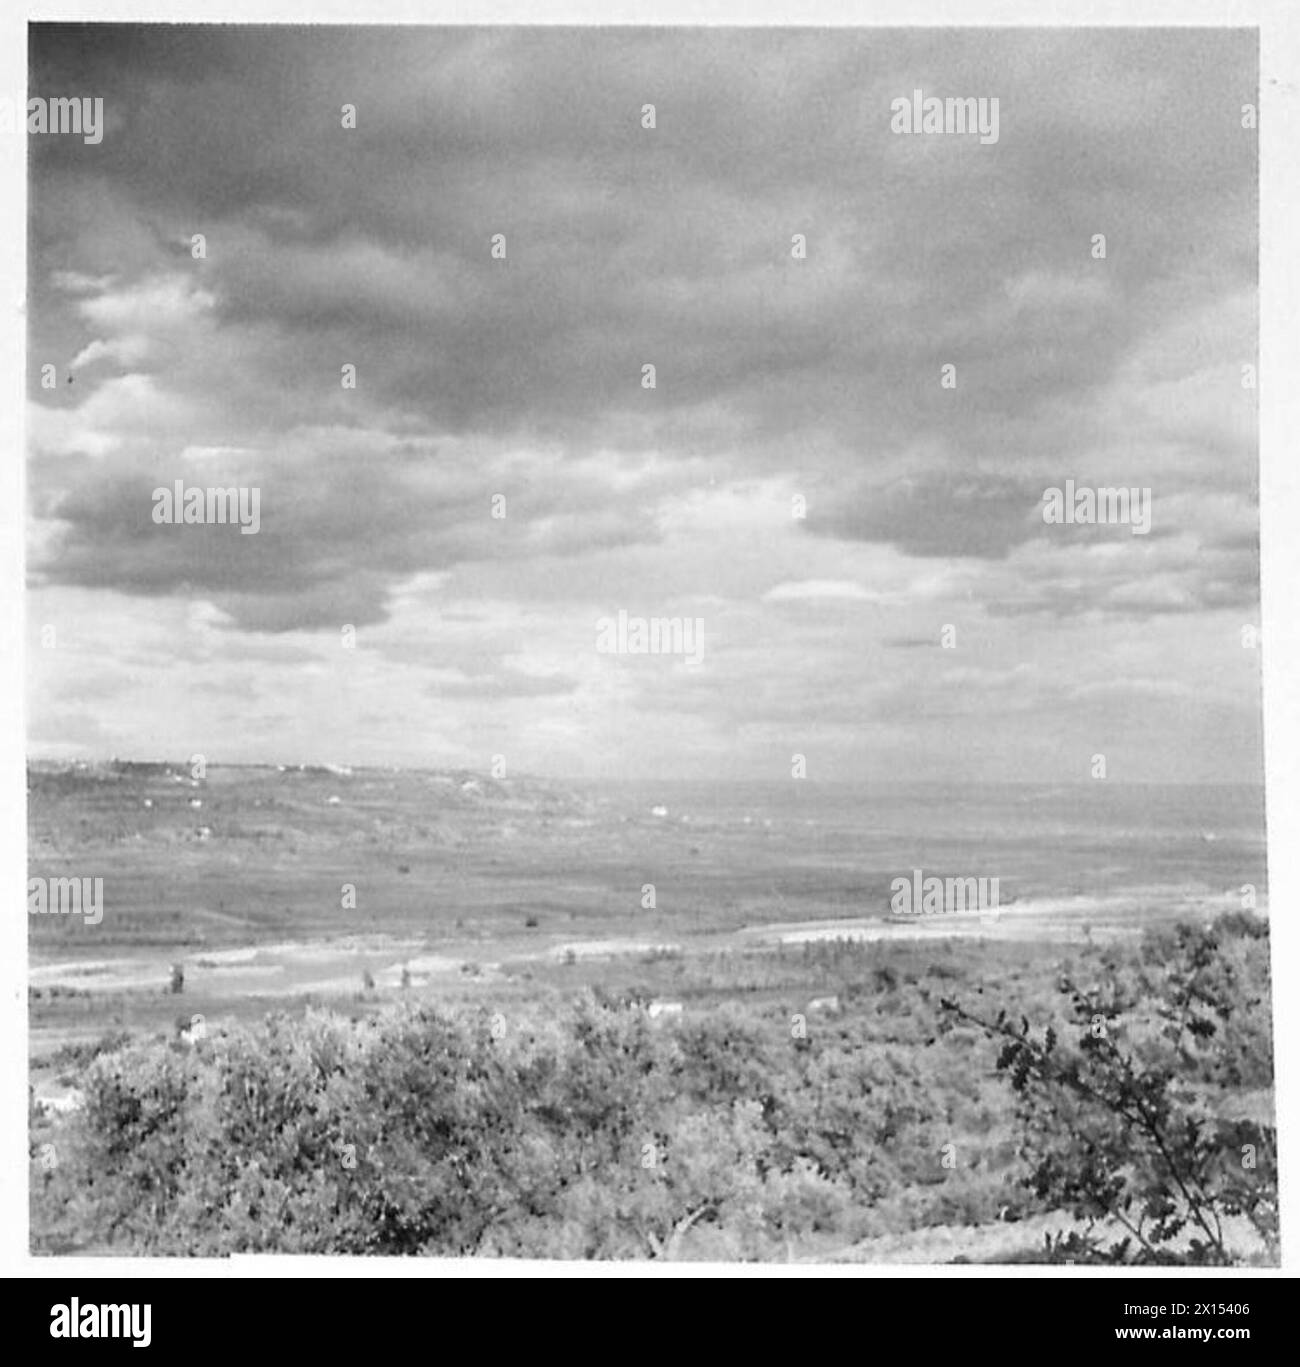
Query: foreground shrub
column 1121, row 1102
column 597, row 1135
column 595, row 1132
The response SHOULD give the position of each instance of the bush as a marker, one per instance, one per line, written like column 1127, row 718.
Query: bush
column 1121, row 1126
column 595, row 1132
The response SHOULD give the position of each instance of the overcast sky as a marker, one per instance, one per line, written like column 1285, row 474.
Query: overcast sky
column 776, row 377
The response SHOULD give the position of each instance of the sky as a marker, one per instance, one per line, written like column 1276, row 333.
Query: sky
column 862, row 544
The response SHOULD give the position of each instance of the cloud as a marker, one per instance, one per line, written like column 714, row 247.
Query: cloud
column 820, row 590
column 510, row 684
column 798, row 456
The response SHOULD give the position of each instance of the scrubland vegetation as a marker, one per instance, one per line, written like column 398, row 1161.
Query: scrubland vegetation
column 1126, row 1088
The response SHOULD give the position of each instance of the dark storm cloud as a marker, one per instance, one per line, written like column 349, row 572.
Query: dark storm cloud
column 939, row 514
column 625, row 246
column 334, row 537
